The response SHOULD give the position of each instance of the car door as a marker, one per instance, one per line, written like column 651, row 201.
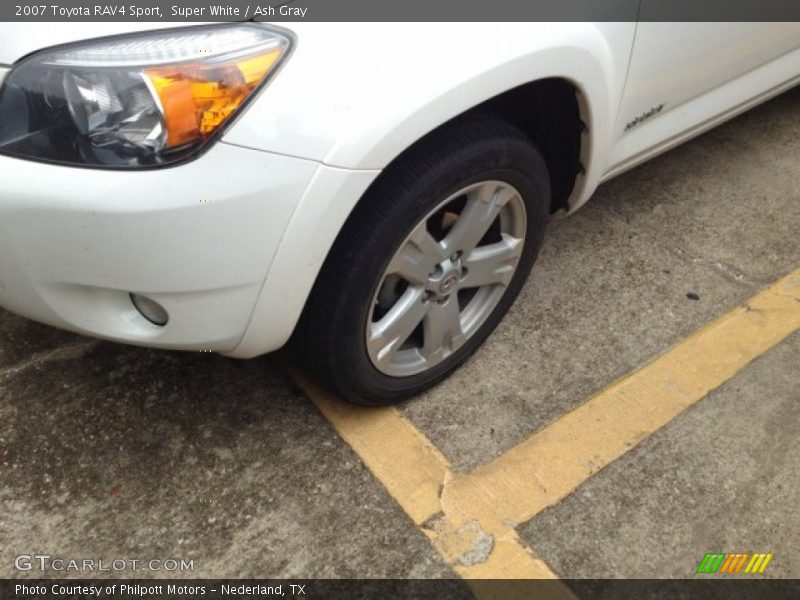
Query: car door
column 683, row 76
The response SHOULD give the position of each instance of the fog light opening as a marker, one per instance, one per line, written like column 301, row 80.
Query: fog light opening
column 150, row 309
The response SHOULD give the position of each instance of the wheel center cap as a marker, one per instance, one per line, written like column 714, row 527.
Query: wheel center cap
column 448, row 284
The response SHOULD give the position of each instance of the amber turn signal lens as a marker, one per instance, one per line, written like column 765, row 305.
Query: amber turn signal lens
column 197, row 98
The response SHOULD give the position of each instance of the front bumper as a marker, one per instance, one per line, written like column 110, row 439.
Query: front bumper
column 196, row 238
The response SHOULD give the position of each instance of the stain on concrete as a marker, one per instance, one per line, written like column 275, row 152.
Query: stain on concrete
column 465, row 545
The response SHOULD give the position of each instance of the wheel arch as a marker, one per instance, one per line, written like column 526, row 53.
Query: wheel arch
column 571, row 103
column 335, row 190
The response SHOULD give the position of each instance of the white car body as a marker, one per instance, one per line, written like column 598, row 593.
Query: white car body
column 231, row 242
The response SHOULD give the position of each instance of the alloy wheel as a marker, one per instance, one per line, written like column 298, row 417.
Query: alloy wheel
column 446, row 278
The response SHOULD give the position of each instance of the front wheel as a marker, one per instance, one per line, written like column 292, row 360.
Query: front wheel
column 428, row 263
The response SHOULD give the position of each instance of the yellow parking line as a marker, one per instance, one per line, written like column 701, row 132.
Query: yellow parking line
column 408, row 465
column 471, row 518
column 553, row 462
column 414, row 472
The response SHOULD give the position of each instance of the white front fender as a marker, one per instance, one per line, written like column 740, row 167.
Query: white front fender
column 355, row 96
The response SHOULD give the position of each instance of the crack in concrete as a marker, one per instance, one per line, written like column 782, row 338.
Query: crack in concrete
column 75, row 350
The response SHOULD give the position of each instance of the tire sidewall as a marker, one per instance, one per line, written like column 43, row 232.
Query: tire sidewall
column 517, row 164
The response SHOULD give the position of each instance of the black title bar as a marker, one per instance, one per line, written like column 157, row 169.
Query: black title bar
column 700, row 588
column 405, row 10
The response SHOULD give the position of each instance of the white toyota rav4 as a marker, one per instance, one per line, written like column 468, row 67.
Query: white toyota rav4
column 377, row 193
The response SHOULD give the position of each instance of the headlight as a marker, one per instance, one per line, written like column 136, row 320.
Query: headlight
column 134, row 101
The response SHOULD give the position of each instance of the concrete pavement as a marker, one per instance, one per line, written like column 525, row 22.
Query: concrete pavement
column 117, row 452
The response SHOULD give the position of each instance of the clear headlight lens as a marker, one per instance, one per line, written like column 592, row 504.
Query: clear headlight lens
column 134, row 101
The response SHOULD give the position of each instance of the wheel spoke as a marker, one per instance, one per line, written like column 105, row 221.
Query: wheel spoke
column 390, row 332
column 442, row 330
column 482, row 207
column 492, row 264
column 418, row 257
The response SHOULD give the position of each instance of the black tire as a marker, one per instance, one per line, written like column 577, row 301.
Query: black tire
column 330, row 338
